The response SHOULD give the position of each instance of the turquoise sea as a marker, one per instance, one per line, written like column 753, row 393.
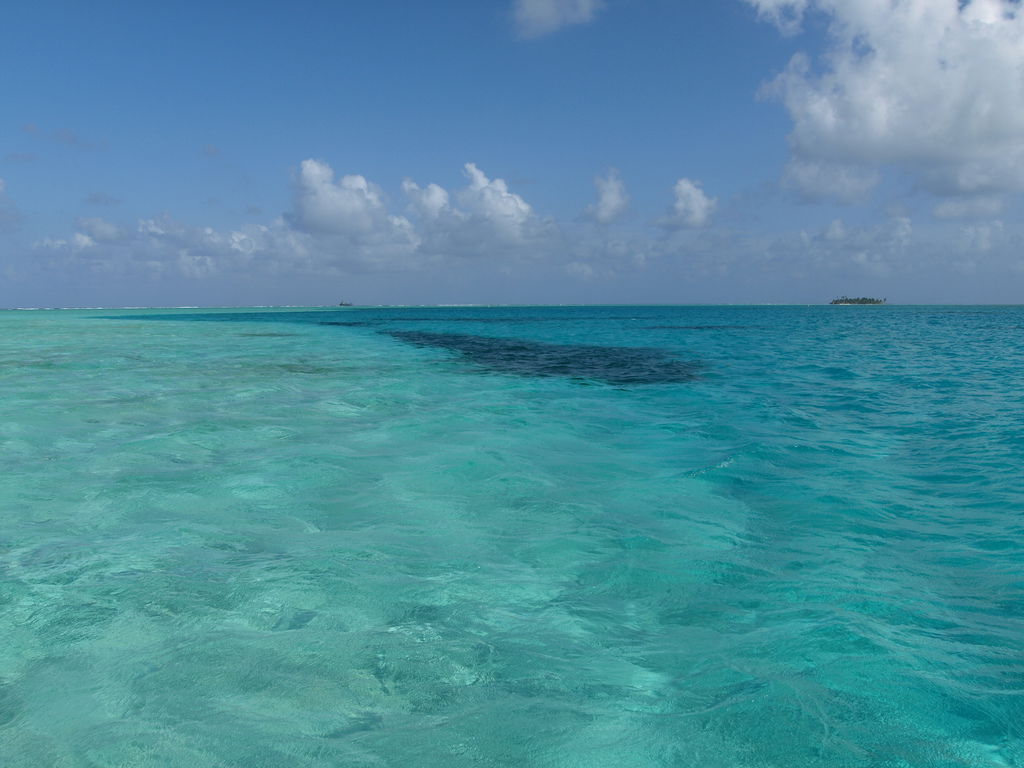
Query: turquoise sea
column 569, row 537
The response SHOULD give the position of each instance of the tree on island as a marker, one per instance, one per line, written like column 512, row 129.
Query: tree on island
column 859, row 300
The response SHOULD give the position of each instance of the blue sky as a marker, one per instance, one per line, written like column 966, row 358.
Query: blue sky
column 511, row 151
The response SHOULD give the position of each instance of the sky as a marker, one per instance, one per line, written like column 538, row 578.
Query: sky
column 511, row 151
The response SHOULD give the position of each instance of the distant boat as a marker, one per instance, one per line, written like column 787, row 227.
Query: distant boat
column 344, row 303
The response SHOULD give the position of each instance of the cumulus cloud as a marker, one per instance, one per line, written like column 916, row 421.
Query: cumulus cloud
column 692, row 207
column 931, row 87
column 484, row 217
column 535, row 18
column 430, row 202
column 612, row 200
column 491, row 201
column 348, row 219
column 349, row 205
column 445, row 230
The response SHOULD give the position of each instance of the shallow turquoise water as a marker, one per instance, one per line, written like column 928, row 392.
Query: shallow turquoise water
column 736, row 537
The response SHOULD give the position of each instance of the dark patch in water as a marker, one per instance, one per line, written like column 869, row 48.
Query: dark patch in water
column 267, row 335
column 358, row 323
column 526, row 319
column 443, row 319
column 613, row 365
column 697, row 327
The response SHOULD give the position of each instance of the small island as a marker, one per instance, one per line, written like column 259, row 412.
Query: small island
column 860, row 300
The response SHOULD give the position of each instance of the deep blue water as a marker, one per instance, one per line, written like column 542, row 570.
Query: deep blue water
column 736, row 537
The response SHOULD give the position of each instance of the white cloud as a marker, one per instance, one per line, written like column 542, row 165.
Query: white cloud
column 349, row 205
column 348, row 219
column 692, row 207
column 430, row 202
column 541, row 17
column 612, row 199
column 444, row 230
column 931, row 87
column 489, row 220
column 491, row 201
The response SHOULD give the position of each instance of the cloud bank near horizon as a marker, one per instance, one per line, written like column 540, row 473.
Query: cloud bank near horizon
column 345, row 226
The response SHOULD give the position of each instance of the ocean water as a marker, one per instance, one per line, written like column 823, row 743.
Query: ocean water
column 580, row 537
